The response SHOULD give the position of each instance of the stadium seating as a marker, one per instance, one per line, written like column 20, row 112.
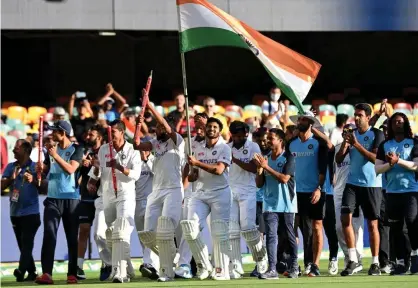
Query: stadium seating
column 7, row 104
column 403, row 106
column 219, row 109
column 198, row 108
column 292, row 110
column 171, row 108
column 346, row 109
column 17, row 112
column 34, row 112
column 328, row 107
column 376, row 108
column 250, row 114
column 253, row 108
column 234, row 108
column 225, row 103
column 168, row 103
column 416, row 109
column 233, row 115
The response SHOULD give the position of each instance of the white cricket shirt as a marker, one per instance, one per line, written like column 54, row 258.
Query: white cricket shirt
column 127, row 157
column 143, row 186
column 240, row 179
column 218, row 153
column 188, row 191
column 168, row 162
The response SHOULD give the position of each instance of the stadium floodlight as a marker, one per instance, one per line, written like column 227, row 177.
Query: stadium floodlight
column 107, row 33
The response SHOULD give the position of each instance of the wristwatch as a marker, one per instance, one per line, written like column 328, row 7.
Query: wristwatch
column 319, row 188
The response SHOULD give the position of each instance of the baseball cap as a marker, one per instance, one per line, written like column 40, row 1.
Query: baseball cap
column 59, row 111
column 110, row 100
column 62, row 125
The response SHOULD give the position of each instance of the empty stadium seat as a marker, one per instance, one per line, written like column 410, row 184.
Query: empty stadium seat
column 328, row 107
column 250, row 114
column 4, row 129
column 7, row 104
column 13, row 122
column 225, row 103
column 4, row 111
column 328, row 119
column 416, row 109
column 168, row 103
column 346, row 109
column 292, row 110
column 17, row 112
column 219, row 109
column 307, row 107
column 198, row 108
column 11, row 141
column 161, row 110
column 326, row 113
column 259, row 99
column 393, row 101
column 171, row 108
column 253, row 108
column 34, row 112
column 233, row 115
column 235, row 108
column 407, row 112
column 403, row 106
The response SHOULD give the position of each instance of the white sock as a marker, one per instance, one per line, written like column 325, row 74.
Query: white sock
column 414, row 252
column 375, row 259
column 400, row 262
column 80, row 262
column 352, row 254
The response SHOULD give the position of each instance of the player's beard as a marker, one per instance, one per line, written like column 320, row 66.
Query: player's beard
column 239, row 144
column 214, row 136
column 302, row 127
column 199, row 138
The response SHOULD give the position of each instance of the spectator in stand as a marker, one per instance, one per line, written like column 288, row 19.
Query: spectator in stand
column 4, row 155
column 108, row 103
column 59, row 114
column 84, row 120
column 99, row 115
column 336, row 133
column 273, row 110
column 180, row 102
column 24, row 206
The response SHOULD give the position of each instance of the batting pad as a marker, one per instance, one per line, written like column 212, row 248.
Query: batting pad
column 121, row 237
column 221, row 248
column 235, row 240
column 109, row 232
column 253, row 239
column 148, row 238
column 191, row 233
column 166, row 246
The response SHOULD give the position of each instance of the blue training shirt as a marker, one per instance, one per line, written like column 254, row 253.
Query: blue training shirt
column 362, row 171
column 62, row 185
column 329, row 177
column 311, row 160
column 280, row 197
column 28, row 201
column 260, row 191
column 398, row 178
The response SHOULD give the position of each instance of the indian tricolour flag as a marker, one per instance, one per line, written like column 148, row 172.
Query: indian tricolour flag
column 202, row 24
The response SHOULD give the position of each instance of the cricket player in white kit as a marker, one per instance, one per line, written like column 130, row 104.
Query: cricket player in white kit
column 213, row 195
column 184, row 270
column 244, row 202
column 340, row 179
column 143, row 188
column 163, row 209
column 119, row 209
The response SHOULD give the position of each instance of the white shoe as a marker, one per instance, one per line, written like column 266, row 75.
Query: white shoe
column 307, row 269
column 183, row 271
column 118, row 279
column 233, row 274
column 333, row 267
column 165, row 279
column 262, row 266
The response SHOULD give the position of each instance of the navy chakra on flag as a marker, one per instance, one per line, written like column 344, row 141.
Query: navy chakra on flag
column 250, row 45
column 214, row 153
column 245, row 152
column 366, row 138
column 310, row 146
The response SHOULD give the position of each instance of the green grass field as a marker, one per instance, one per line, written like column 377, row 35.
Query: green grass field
column 360, row 280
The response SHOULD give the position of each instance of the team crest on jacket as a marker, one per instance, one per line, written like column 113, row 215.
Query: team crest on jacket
column 406, row 145
column 67, row 154
column 214, row 153
column 366, row 138
column 310, row 146
column 280, row 164
column 245, row 151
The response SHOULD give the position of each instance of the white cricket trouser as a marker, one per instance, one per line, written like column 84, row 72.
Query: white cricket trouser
column 243, row 209
column 149, row 257
column 120, row 209
column 166, row 203
column 358, row 224
column 217, row 203
column 184, row 249
column 99, row 232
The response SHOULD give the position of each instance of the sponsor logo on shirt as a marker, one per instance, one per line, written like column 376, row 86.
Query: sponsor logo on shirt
column 245, row 160
column 209, row 161
column 343, row 164
column 145, row 173
column 303, row 154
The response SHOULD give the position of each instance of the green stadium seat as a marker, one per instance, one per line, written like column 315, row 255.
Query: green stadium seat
column 253, row 108
column 346, row 109
column 328, row 107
